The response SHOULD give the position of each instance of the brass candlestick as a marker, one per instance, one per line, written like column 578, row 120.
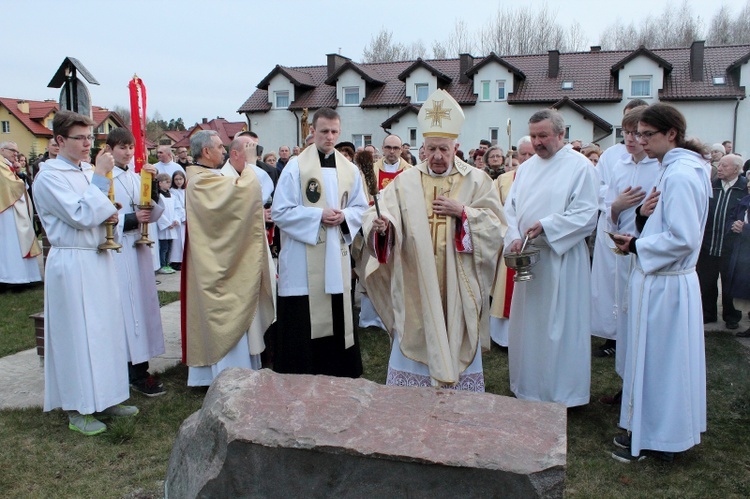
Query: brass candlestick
column 144, row 228
column 109, row 239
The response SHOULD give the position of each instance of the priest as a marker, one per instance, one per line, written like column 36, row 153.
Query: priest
column 318, row 207
column 227, row 283
column 435, row 247
column 554, row 201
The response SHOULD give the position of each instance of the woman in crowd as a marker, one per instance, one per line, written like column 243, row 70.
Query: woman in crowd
column 270, row 159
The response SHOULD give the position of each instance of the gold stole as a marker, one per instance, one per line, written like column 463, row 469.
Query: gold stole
column 13, row 189
column 313, row 194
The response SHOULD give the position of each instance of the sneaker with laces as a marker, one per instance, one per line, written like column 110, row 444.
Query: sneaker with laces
column 624, row 456
column 86, row 424
column 150, row 387
column 119, row 411
column 622, row 441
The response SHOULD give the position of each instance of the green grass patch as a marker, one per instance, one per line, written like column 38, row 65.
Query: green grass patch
column 167, row 297
column 16, row 328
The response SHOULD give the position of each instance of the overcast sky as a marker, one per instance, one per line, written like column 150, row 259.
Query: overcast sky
column 203, row 58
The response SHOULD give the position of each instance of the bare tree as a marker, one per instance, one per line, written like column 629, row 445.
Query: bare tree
column 124, row 113
column 382, row 48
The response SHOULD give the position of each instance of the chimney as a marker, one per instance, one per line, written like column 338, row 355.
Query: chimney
column 204, row 121
column 596, row 48
column 23, row 106
column 335, row 61
column 554, row 63
column 696, row 60
column 465, row 63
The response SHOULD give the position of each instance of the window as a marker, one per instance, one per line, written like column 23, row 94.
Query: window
column 640, row 86
column 282, row 99
column 501, row 90
column 361, row 140
column 494, row 133
column 618, row 134
column 100, row 129
column 421, row 90
column 566, row 137
column 485, row 92
column 6, row 126
column 719, row 80
column 412, row 136
column 48, row 123
column 351, row 96
column 567, row 85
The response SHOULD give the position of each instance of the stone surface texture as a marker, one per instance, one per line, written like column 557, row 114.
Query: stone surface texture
column 262, row 434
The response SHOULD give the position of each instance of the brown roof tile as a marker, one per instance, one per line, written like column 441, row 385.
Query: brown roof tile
column 32, row 125
column 226, row 130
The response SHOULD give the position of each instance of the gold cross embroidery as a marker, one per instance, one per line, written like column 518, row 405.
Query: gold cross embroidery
column 437, row 113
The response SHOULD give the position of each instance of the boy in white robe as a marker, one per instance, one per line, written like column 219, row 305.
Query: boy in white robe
column 85, row 363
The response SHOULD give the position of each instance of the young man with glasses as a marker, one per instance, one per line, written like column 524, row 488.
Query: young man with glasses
column 85, row 362
column 18, row 244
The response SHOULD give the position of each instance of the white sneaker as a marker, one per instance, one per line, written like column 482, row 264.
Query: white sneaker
column 85, row 423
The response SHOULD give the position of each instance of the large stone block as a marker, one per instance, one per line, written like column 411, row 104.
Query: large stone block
column 262, row 434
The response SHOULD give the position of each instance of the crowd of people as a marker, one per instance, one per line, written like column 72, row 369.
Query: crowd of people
column 272, row 247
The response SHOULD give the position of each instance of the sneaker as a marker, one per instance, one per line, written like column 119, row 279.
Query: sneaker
column 604, row 352
column 743, row 334
column 120, row 411
column 624, row 456
column 85, row 423
column 150, row 387
column 622, row 441
column 169, row 270
column 732, row 325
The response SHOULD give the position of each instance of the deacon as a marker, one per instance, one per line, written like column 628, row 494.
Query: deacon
column 318, row 207
column 18, row 244
column 227, row 284
column 435, row 246
column 664, row 387
column 385, row 170
column 85, row 361
column 553, row 200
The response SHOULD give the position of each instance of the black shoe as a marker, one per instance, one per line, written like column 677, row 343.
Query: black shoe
column 708, row 320
column 622, row 441
column 150, row 387
column 624, row 456
column 604, row 352
column 743, row 334
column 732, row 325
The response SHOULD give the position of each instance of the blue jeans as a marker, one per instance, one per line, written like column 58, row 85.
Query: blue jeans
column 165, row 247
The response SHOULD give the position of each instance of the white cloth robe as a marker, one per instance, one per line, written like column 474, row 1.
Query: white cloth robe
column 169, row 168
column 664, row 388
column 549, row 346
column 168, row 216
column 299, row 227
column 85, row 362
column 14, row 268
column 140, row 301
column 239, row 355
column 178, row 243
column 609, row 273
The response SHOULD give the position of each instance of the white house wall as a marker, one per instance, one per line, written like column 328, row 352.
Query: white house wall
column 642, row 66
column 279, row 83
column 420, row 75
column 347, row 79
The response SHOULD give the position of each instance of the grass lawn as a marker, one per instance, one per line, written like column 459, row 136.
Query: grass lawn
column 42, row 458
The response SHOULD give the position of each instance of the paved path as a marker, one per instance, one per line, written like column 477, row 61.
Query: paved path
column 22, row 374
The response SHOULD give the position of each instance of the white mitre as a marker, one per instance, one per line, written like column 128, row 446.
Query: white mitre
column 441, row 116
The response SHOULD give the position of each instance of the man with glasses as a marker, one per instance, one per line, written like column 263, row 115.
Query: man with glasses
column 18, row 244
column 85, row 361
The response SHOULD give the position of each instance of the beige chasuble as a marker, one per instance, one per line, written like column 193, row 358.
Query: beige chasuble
column 13, row 196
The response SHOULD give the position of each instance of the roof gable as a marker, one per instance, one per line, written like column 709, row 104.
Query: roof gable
column 493, row 57
column 420, row 63
column 641, row 51
column 368, row 74
column 32, row 125
column 395, row 118
column 297, row 77
column 587, row 114
column 226, row 130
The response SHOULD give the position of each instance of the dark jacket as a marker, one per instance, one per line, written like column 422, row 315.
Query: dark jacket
column 739, row 262
column 716, row 240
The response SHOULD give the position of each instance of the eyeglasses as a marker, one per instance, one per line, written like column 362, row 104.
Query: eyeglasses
column 646, row 135
column 392, row 148
column 625, row 133
column 14, row 151
column 90, row 138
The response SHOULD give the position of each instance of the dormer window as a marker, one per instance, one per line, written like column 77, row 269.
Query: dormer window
column 719, row 80
column 640, row 86
column 567, row 85
column 281, row 99
column 421, row 90
column 351, row 96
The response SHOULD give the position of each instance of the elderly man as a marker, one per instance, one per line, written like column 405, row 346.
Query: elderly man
column 284, row 154
column 553, row 201
column 385, row 170
column 228, row 285
column 435, row 247
column 728, row 189
column 166, row 162
column 318, row 207
column 18, row 244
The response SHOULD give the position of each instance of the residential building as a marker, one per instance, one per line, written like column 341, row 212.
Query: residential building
column 226, row 130
column 708, row 84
